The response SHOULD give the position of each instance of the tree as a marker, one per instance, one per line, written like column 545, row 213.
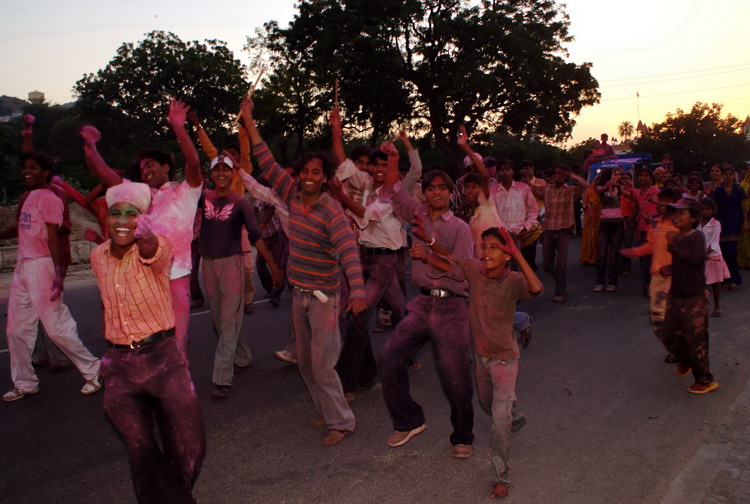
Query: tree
column 128, row 99
column 697, row 139
column 626, row 130
column 441, row 63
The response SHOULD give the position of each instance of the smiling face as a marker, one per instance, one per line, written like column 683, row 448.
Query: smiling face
column 495, row 259
column 121, row 224
column 33, row 175
column 378, row 169
column 437, row 195
column 363, row 163
column 683, row 219
column 153, row 173
column 221, row 175
column 616, row 177
column 471, row 191
column 312, row 178
column 715, row 173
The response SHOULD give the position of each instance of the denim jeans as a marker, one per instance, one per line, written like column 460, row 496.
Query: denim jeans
column 609, row 241
column 555, row 257
column 316, row 329
column 445, row 323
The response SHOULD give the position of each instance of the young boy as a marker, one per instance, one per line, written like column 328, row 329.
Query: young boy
column 686, row 321
column 656, row 244
column 145, row 368
column 494, row 291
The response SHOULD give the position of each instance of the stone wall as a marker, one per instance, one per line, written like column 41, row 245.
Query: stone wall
column 80, row 250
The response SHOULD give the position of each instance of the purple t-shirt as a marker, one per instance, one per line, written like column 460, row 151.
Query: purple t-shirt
column 221, row 225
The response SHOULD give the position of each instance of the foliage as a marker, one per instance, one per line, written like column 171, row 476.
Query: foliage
column 697, row 139
column 128, row 99
column 626, row 130
column 436, row 64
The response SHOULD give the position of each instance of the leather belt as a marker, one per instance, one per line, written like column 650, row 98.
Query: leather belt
column 441, row 293
column 378, row 251
column 148, row 340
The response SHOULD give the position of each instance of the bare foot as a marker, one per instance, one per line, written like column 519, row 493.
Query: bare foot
column 500, row 490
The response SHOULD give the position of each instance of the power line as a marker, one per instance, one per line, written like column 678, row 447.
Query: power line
column 679, row 78
column 677, row 73
column 677, row 93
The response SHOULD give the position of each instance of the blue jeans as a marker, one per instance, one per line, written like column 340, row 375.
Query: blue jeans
column 316, row 329
column 445, row 323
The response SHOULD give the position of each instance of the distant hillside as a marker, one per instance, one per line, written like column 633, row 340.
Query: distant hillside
column 11, row 106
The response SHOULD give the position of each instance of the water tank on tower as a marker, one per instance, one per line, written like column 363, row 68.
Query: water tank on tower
column 36, row 97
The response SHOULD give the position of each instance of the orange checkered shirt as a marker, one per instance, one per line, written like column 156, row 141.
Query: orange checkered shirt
column 135, row 292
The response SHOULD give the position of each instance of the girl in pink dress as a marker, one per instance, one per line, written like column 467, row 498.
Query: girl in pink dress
column 716, row 268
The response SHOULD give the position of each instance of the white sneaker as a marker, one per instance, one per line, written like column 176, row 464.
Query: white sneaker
column 286, row 356
column 17, row 393
column 91, row 386
column 599, row 288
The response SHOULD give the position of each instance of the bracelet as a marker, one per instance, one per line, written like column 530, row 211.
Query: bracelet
column 432, row 242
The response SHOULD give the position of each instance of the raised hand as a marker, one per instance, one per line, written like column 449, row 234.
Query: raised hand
column 417, row 227
column 143, row 226
column 178, row 111
column 90, row 134
column 192, row 116
column 335, row 118
column 28, row 122
column 246, row 109
column 510, row 247
column 389, row 149
column 463, row 138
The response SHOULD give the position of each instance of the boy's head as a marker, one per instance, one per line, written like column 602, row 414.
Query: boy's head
column 708, row 208
column 668, row 196
column 526, row 170
column 695, row 182
column 686, row 213
column 491, row 164
column 222, row 170
column 472, row 186
column 36, row 168
column 156, row 167
column 361, row 157
column 645, row 178
column 126, row 202
column 505, row 170
column 727, row 174
column 313, row 169
column 493, row 249
column 437, row 187
column 378, row 165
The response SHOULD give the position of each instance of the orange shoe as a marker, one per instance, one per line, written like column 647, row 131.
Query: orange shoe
column 701, row 388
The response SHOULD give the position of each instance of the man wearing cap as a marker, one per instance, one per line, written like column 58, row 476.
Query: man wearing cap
column 145, row 368
column 36, row 292
column 220, row 243
column 173, row 204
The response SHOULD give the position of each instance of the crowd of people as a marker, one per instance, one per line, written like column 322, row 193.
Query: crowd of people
column 338, row 231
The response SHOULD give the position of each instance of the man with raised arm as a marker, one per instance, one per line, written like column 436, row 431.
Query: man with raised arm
column 173, row 204
column 438, row 314
column 321, row 243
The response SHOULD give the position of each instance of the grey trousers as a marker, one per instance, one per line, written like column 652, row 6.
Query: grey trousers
column 225, row 290
column 316, row 329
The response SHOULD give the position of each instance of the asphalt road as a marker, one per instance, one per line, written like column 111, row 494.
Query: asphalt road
column 608, row 421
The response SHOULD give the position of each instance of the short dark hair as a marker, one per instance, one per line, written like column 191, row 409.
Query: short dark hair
column 489, row 162
column 473, row 178
column 710, row 203
column 377, row 154
column 727, row 168
column 43, row 160
column 504, row 161
column 493, row 231
column 670, row 194
column 647, row 172
column 526, row 162
column 359, row 151
column 432, row 175
column 329, row 167
column 158, row 155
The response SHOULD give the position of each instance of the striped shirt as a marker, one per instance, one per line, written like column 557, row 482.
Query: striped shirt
column 320, row 239
column 135, row 292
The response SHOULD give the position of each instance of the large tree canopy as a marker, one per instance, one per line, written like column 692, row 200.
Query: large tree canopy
column 129, row 98
column 697, row 139
column 438, row 63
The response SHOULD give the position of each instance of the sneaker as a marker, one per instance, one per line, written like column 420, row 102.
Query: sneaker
column 91, row 386
column 400, row 438
column 611, row 288
column 286, row 356
column 599, row 288
column 462, row 451
column 222, row 391
column 681, row 371
column 517, row 425
column 334, row 437
column 702, row 388
column 17, row 393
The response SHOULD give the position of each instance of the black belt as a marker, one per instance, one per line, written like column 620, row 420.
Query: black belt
column 441, row 293
column 378, row 251
column 148, row 340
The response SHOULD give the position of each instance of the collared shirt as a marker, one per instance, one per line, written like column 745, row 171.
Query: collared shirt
column 492, row 306
column 712, row 231
column 383, row 229
column 559, row 204
column 173, row 207
column 320, row 238
column 447, row 229
column 516, row 206
column 135, row 292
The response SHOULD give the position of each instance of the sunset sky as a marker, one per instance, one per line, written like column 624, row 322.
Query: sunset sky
column 672, row 52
